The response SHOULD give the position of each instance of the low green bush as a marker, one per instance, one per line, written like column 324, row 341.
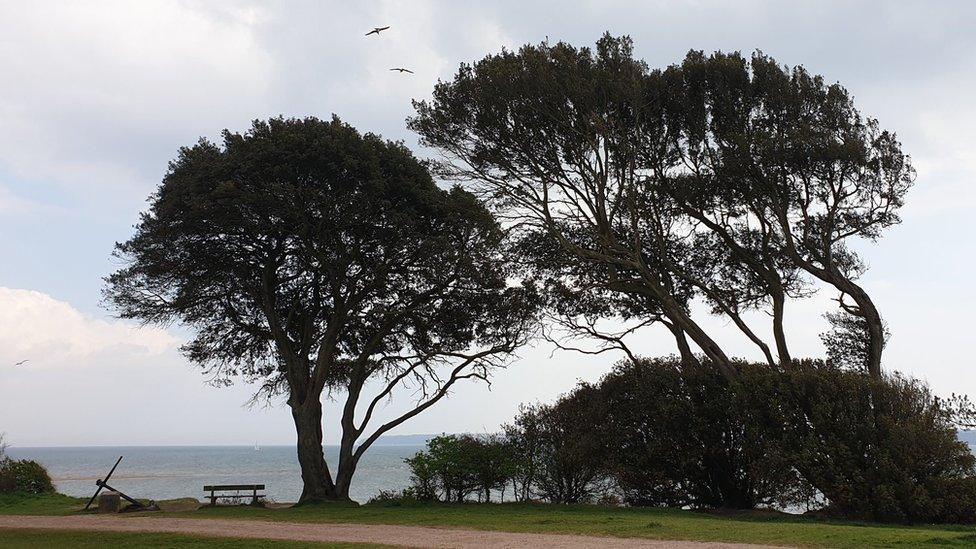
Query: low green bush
column 24, row 476
column 879, row 449
column 392, row 498
column 454, row 467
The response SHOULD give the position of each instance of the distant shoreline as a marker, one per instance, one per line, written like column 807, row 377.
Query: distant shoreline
column 389, row 440
column 967, row 436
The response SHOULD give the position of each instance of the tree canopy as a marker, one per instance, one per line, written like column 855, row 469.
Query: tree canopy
column 312, row 258
column 733, row 180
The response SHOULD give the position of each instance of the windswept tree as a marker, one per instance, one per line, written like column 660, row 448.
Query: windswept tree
column 724, row 179
column 785, row 170
column 558, row 138
column 317, row 261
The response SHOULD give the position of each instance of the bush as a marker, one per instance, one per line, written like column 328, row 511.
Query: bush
column 455, row 466
column 24, row 476
column 392, row 498
column 683, row 436
column 859, row 447
column 882, row 450
column 568, row 448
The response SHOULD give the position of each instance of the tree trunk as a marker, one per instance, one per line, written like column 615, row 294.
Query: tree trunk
column 344, row 476
column 779, row 334
column 316, row 479
column 708, row 345
column 876, row 335
column 866, row 308
column 687, row 357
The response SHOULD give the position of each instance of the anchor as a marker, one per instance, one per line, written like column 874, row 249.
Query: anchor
column 104, row 484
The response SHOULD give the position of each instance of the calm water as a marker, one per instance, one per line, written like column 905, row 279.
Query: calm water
column 166, row 472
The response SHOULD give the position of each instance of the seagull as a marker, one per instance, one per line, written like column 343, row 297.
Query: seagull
column 21, row 362
column 401, row 69
column 377, row 30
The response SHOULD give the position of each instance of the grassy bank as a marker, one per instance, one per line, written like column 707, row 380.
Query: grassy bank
column 43, row 539
column 767, row 528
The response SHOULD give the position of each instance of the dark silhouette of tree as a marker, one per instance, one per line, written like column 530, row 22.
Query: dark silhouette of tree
column 730, row 180
column 783, row 168
column 560, row 456
column 558, row 138
column 315, row 259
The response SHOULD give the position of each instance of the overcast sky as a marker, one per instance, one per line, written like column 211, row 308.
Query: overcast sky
column 96, row 97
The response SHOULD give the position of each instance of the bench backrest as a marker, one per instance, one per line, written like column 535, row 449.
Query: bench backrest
column 220, row 488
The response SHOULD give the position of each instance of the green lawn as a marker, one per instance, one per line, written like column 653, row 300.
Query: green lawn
column 42, row 539
column 575, row 519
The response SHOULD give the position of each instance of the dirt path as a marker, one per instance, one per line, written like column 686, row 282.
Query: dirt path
column 408, row 536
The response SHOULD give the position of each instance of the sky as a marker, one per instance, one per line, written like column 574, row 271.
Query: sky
column 97, row 97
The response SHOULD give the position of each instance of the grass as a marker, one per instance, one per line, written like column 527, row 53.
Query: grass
column 42, row 539
column 767, row 528
column 44, row 504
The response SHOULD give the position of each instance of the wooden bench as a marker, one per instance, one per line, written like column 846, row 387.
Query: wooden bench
column 253, row 488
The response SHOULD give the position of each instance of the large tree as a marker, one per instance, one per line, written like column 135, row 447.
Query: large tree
column 785, row 170
column 722, row 179
column 317, row 260
column 557, row 137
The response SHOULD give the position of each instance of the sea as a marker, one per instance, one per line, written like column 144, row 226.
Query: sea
column 169, row 472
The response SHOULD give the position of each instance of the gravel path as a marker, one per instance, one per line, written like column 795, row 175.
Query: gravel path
column 407, row 536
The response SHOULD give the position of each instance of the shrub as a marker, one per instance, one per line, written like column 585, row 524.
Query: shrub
column 24, row 476
column 571, row 455
column 455, row 466
column 682, row 435
column 878, row 449
column 524, row 438
column 423, row 476
column 392, row 498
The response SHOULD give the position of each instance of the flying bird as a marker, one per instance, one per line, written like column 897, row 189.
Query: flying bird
column 21, row 362
column 401, row 69
column 377, row 30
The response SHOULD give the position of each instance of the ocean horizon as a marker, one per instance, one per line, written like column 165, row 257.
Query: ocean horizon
column 170, row 472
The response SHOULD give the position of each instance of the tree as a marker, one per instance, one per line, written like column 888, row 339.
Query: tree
column 569, row 461
column 423, row 476
column 557, row 137
column 314, row 259
column 778, row 151
column 881, row 449
column 495, row 465
column 455, row 466
column 681, row 436
column 730, row 180
column 524, row 436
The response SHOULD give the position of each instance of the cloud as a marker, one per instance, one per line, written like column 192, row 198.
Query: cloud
column 91, row 92
column 50, row 333
column 13, row 204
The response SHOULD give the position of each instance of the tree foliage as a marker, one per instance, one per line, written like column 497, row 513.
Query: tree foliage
column 315, row 260
column 730, row 179
column 22, row 476
column 878, row 449
column 680, row 435
column 816, row 435
column 452, row 467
